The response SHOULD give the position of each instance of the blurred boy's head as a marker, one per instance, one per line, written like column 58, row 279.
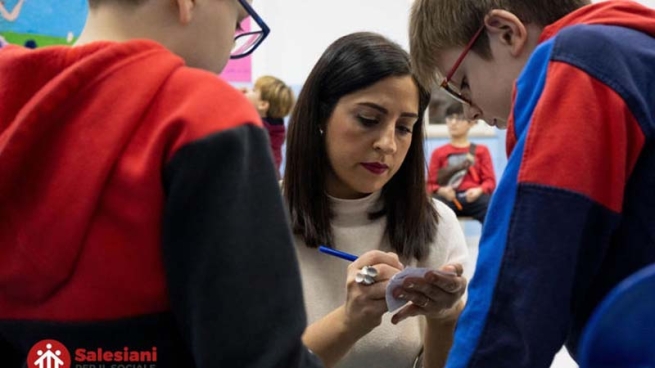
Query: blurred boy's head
column 200, row 31
column 500, row 35
column 271, row 97
column 458, row 125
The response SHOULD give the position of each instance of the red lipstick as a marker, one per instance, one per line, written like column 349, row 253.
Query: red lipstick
column 375, row 167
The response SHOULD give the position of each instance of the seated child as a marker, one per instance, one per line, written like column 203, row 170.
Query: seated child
column 461, row 173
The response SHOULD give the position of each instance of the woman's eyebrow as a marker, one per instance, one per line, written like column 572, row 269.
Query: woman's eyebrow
column 385, row 111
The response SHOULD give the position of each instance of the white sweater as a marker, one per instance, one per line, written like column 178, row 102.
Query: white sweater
column 324, row 278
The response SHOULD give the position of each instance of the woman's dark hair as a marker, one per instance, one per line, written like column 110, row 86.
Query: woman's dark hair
column 351, row 63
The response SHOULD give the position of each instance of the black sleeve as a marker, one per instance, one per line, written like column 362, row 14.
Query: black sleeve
column 231, row 268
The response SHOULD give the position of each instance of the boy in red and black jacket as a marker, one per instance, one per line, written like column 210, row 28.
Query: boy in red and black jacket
column 139, row 209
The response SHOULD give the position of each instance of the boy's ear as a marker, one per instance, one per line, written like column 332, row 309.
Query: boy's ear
column 263, row 106
column 185, row 10
column 507, row 29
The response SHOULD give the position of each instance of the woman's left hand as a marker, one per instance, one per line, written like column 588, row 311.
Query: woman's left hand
column 433, row 295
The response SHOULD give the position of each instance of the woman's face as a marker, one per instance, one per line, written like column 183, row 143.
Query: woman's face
column 368, row 136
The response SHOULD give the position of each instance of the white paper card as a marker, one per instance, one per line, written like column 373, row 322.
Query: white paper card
column 394, row 303
column 396, row 281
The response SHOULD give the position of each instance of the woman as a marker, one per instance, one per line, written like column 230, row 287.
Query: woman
column 355, row 181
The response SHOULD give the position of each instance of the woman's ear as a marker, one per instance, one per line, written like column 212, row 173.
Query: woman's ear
column 185, row 10
column 507, row 30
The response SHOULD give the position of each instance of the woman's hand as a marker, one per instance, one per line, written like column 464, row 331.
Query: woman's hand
column 365, row 304
column 433, row 296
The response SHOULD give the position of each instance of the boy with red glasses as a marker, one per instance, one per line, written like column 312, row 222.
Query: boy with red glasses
column 139, row 206
column 572, row 216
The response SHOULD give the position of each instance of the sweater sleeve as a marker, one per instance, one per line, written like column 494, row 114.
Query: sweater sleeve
column 232, row 272
column 450, row 244
column 451, row 234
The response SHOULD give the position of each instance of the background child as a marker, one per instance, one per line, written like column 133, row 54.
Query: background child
column 572, row 216
column 273, row 100
column 461, row 173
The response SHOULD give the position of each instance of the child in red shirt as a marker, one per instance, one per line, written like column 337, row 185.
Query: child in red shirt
column 461, row 173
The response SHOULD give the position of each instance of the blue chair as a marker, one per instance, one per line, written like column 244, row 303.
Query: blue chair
column 621, row 331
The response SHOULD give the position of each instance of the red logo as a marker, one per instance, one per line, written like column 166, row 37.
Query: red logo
column 48, row 354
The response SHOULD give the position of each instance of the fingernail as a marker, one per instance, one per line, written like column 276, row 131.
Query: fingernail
column 401, row 296
column 410, row 286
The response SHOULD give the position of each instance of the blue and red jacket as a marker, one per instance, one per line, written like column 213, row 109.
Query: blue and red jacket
column 573, row 213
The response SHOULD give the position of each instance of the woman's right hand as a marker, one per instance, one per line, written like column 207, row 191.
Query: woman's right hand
column 365, row 304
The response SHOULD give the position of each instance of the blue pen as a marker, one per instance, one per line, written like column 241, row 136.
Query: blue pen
column 352, row 258
column 336, row 253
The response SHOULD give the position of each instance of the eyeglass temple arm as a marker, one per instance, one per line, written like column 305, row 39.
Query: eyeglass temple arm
column 463, row 55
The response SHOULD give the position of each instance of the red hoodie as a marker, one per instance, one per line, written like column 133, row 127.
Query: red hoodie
column 128, row 185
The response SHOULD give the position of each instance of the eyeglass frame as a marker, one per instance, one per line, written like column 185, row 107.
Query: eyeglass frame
column 264, row 30
column 445, row 83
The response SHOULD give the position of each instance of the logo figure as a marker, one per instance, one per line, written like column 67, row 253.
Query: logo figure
column 48, row 354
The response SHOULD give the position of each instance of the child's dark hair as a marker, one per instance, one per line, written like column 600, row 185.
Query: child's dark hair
column 455, row 109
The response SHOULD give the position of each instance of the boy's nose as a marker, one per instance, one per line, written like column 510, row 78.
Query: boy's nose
column 472, row 113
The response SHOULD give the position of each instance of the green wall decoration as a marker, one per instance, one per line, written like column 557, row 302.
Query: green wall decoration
column 38, row 23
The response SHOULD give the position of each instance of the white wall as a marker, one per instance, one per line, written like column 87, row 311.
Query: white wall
column 302, row 29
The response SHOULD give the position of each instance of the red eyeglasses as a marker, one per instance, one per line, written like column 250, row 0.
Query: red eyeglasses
column 451, row 89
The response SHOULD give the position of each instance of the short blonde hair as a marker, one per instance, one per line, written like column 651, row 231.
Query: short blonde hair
column 279, row 96
column 438, row 25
